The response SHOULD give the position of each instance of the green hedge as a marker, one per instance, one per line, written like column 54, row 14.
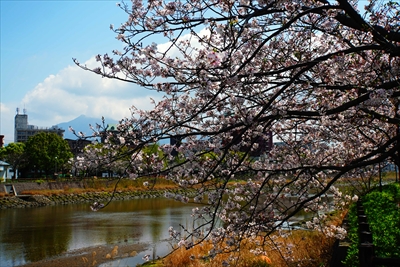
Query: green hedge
column 383, row 214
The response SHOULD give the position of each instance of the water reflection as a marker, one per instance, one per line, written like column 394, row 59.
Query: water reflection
column 36, row 234
column 29, row 235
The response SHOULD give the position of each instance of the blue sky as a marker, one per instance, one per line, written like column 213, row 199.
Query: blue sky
column 38, row 41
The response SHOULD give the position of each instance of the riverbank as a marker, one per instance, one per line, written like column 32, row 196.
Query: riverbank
column 30, row 201
column 49, row 235
column 92, row 256
column 87, row 256
column 31, row 194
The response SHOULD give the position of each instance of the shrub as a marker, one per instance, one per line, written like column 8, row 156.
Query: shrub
column 383, row 215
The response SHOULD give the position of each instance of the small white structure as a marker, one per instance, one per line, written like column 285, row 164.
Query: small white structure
column 4, row 170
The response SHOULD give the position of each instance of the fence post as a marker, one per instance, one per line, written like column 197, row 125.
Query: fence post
column 362, row 218
column 363, row 227
column 365, row 248
column 365, row 237
column 366, row 254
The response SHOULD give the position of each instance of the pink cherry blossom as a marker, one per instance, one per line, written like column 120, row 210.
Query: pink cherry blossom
column 318, row 78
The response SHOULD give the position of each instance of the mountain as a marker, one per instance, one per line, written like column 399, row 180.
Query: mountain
column 81, row 124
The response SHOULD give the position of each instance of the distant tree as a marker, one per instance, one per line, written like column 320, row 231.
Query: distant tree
column 48, row 152
column 14, row 154
column 153, row 158
column 98, row 157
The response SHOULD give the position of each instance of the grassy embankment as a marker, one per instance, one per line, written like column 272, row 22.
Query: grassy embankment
column 103, row 185
column 100, row 185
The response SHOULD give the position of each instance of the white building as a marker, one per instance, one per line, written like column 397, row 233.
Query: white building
column 22, row 130
column 5, row 171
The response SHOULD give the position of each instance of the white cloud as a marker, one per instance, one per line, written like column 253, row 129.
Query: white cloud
column 72, row 92
column 7, row 113
column 194, row 42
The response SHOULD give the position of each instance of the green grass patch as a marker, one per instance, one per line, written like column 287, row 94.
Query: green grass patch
column 383, row 215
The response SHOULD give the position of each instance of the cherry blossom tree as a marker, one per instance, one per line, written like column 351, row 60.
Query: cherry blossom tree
column 321, row 75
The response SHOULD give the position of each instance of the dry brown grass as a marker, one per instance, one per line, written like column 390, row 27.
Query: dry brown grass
column 197, row 257
column 96, row 185
column 302, row 248
column 299, row 248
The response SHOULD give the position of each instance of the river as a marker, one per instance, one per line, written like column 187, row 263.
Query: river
column 33, row 234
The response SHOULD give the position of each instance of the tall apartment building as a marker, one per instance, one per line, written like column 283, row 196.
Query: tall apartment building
column 22, row 130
